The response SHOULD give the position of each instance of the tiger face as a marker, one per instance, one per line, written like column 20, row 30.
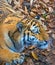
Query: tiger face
column 31, row 33
column 18, row 33
column 25, row 32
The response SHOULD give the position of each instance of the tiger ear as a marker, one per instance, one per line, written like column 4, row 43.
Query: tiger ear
column 19, row 26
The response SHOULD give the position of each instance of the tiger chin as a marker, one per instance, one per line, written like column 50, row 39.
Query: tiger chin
column 8, row 53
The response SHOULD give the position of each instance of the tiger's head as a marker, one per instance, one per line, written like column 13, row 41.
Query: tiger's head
column 26, row 32
column 32, row 33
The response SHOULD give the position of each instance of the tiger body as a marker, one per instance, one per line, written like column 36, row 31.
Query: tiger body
column 6, row 54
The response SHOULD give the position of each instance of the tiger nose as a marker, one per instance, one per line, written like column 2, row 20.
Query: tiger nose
column 19, row 26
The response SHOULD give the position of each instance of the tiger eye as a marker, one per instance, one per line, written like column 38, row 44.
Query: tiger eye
column 35, row 29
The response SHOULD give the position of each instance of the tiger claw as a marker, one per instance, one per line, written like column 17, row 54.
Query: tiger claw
column 19, row 60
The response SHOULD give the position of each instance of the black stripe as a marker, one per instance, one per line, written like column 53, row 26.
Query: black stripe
column 28, row 36
column 31, row 22
column 24, row 38
column 12, row 41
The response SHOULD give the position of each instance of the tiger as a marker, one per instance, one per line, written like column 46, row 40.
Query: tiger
column 33, row 33
column 17, row 33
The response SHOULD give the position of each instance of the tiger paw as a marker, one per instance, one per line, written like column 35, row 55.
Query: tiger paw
column 11, row 57
column 18, row 59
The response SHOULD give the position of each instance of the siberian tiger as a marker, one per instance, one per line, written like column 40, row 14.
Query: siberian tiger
column 17, row 33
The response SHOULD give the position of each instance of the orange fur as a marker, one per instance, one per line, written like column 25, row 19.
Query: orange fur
column 9, row 24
